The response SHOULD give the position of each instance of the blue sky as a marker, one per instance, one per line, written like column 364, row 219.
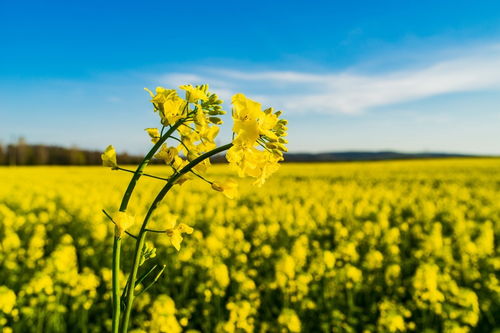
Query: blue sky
column 359, row 75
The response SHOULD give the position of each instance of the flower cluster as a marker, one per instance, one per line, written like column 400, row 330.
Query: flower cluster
column 195, row 119
column 192, row 124
column 253, row 129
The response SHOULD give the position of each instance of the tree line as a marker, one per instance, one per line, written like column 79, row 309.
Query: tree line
column 22, row 153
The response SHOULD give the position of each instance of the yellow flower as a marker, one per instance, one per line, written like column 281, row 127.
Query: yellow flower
column 289, row 319
column 175, row 234
column 161, row 95
column 7, row 300
column 172, row 110
column 123, row 221
column 253, row 162
column 245, row 116
column 268, row 123
column 109, row 157
column 229, row 188
column 193, row 94
column 154, row 134
column 221, row 275
column 254, row 127
column 168, row 154
column 169, row 105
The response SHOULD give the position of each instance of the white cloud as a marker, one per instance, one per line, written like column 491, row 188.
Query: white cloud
column 351, row 92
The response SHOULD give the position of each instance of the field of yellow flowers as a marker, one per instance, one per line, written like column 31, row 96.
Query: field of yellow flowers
column 407, row 246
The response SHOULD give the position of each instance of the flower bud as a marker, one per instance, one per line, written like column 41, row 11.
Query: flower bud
column 215, row 120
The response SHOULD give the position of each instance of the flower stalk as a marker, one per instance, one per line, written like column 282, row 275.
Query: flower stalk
column 195, row 121
column 123, row 208
column 142, row 233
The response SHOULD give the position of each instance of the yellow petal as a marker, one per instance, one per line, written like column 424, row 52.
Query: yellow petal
column 228, row 188
column 123, row 222
column 150, row 92
column 176, row 239
column 184, row 228
column 154, row 134
column 193, row 94
column 109, row 157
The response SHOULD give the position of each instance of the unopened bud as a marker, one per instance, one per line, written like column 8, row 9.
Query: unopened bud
column 215, row 120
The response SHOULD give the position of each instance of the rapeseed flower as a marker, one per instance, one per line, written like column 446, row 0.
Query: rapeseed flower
column 193, row 94
column 7, row 300
column 154, row 134
column 255, row 128
column 229, row 188
column 175, row 234
column 123, row 221
column 109, row 157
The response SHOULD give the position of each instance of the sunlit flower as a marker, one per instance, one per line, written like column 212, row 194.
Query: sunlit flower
column 109, row 157
column 154, row 134
column 167, row 154
column 123, row 221
column 175, row 234
column 193, row 94
column 229, row 188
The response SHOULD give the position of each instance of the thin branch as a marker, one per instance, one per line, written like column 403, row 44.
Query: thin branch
column 142, row 233
column 157, row 231
column 153, row 282
column 177, row 139
column 142, row 173
column 145, row 275
column 201, row 177
column 111, row 219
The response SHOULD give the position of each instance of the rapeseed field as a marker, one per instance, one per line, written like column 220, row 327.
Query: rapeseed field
column 399, row 246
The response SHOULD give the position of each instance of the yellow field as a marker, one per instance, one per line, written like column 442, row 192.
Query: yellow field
column 346, row 247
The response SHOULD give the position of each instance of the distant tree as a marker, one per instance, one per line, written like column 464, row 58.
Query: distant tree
column 12, row 154
column 3, row 159
column 22, row 152
column 76, row 156
column 41, row 155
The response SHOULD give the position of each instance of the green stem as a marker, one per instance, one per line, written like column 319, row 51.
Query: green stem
column 138, row 282
column 132, row 278
column 182, row 143
column 201, row 177
column 153, row 282
column 116, row 282
column 142, row 165
column 144, row 276
column 144, row 174
column 123, row 208
column 142, row 233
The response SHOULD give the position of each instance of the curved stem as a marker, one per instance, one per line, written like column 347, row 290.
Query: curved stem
column 182, row 143
column 123, row 208
column 116, row 282
column 144, row 162
column 153, row 282
column 132, row 278
column 142, row 232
